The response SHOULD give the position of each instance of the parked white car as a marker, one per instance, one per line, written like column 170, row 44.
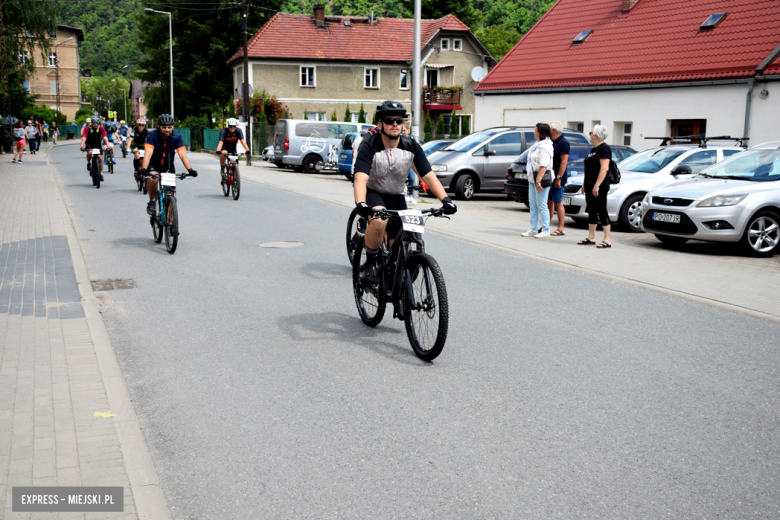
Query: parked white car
column 268, row 153
column 736, row 200
column 640, row 175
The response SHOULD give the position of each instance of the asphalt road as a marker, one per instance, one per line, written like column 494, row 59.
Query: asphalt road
column 263, row 395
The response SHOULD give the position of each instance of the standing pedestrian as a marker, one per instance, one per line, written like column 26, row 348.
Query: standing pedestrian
column 55, row 131
column 31, row 131
column 19, row 135
column 45, row 131
column 595, row 186
column 38, row 136
column 540, row 162
column 560, row 162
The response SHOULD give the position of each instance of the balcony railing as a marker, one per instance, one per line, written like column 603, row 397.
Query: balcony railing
column 444, row 97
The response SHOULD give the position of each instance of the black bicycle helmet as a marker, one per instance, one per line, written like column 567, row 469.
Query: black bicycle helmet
column 390, row 108
column 165, row 120
column 95, row 120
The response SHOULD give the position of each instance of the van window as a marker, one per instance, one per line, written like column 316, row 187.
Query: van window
column 529, row 139
column 507, row 144
column 281, row 128
column 339, row 130
column 311, row 130
column 576, row 138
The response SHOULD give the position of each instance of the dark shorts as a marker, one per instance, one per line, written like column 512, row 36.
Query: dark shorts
column 394, row 202
column 229, row 149
column 556, row 194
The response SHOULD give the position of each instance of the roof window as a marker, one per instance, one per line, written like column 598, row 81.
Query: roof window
column 347, row 23
column 584, row 35
column 712, row 21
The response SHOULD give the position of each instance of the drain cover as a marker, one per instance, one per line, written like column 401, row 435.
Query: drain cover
column 282, row 244
column 110, row 285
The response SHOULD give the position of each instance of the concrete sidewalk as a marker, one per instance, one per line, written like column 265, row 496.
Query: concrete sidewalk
column 716, row 274
column 57, row 366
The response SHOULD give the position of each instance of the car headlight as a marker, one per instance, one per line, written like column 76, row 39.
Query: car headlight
column 721, row 200
column 613, row 189
column 439, row 167
column 646, row 200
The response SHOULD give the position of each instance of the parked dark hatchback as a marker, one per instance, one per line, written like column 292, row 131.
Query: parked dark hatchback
column 516, row 185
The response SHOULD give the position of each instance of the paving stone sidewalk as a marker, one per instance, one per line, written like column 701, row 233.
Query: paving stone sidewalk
column 51, row 381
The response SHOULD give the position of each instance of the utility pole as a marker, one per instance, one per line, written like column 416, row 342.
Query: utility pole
column 57, row 65
column 7, row 133
column 416, row 72
column 245, row 101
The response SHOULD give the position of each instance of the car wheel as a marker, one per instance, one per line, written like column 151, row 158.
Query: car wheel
column 310, row 163
column 762, row 234
column 465, row 187
column 630, row 214
column 670, row 240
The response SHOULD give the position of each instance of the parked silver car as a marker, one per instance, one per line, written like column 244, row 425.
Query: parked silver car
column 736, row 200
column 641, row 174
column 302, row 144
column 480, row 161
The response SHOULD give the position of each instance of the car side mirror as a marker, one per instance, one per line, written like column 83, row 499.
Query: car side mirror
column 681, row 169
column 490, row 152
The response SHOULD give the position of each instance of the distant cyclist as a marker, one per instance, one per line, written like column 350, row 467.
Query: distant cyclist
column 111, row 133
column 123, row 131
column 160, row 150
column 94, row 137
column 381, row 169
column 137, row 141
column 228, row 140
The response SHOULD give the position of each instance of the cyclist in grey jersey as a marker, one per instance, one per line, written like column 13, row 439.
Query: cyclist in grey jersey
column 381, row 170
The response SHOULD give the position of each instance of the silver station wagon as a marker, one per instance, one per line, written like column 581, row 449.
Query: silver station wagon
column 737, row 200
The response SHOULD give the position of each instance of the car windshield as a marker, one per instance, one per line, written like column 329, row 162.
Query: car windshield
column 432, row 146
column 650, row 161
column 754, row 165
column 470, row 141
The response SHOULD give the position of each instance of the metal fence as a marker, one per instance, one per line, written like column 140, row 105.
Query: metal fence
column 201, row 138
column 262, row 136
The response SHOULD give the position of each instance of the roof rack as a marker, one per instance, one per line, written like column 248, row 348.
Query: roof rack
column 702, row 139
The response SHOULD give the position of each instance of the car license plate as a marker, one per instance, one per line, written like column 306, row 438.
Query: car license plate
column 522, row 176
column 168, row 179
column 567, row 201
column 666, row 217
column 343, row 156
column 412, row 220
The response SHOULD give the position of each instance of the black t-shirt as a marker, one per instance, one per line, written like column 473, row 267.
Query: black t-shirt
column 560, row 147
column 389, row 168
column 229, row 140
column 593, row 164
column 138, row 139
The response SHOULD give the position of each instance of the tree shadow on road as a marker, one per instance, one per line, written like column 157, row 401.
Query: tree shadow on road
column 322, row 270
column 350, row 329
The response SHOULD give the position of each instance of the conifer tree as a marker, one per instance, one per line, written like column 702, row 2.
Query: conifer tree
column 348, row 115
column 361, row 114
column 427, row 128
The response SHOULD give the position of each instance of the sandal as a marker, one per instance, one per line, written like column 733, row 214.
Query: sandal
column 603, row 245
column 558, row 233
column 586, row 242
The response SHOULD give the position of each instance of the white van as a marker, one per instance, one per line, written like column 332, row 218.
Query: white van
column 301, row 144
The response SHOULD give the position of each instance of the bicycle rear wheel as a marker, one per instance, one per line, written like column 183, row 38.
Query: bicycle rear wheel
column 236, row 184
column 370, row 300
column 92, row 172
column 157, row 227
column 426, row 309
column 171, row 228
column 226, row 182
column 353, row 237
column 110, row 162
column 140, row 181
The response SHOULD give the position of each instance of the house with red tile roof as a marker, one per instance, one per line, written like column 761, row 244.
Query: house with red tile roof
column 643, row 68
column 321, row 64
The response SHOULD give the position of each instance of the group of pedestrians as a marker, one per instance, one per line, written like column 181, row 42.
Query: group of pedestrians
column 31, row 135
column 547, row 161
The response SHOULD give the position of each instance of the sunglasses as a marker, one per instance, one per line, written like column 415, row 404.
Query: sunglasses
column 393, row 120
column 167, row 127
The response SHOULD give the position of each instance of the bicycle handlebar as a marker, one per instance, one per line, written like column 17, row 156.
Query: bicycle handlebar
column 155, row 176
column 387, row 213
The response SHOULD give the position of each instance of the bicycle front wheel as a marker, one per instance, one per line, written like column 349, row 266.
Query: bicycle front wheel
column 370, row 299
column 426, row 310
column 353, row 237
column 226, row 182
column 110, row 163
column 95, row 172
column 171, row 224
column 236, row 184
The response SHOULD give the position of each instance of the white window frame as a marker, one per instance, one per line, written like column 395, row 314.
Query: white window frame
column 401, row 75
column 354, row 116
column 52, row 58
column 459, row 44
column 442, row 44
column 23, row 57
column 52, row 87
column 437, row 76
column 53, row 34
column 365, row 76
column 300, row 76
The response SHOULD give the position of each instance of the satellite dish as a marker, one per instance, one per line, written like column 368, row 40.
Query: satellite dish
column 241, row 90
column 478, row 73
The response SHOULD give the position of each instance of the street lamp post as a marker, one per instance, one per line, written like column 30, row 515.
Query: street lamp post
column 57, row 65
column 170, row 31
column 416, row 93
column 124, row 106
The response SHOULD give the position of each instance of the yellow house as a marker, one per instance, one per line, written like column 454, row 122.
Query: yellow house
column 60, row 67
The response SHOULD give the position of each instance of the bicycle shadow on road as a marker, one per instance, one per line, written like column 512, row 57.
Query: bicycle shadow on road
column 322, row 270
column 140, row 243
column 212, row 196
column 338, row 326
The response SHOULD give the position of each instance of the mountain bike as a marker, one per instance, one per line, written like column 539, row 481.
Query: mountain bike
column 411, row 280
column 94, row 168
column 124, row 145
column 139, row 179
column 356, row 227
column 232, row 179
column 165, row 221
column 110, row 158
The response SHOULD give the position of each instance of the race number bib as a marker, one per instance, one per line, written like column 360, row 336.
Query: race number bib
column 233, row 157
column 141, row 153
column 412, row 220
column 168, row 179
column 97, row 151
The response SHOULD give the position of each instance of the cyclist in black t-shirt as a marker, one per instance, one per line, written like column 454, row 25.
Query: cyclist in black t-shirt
column 228, row 140
column 381, row 169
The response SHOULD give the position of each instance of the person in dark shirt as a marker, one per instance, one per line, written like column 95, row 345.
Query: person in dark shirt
column 228, row 141
column 137, row 142
column 595, row 186
column 560, row 162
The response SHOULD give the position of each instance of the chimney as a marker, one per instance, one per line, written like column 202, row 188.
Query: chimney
column 319, row 15
column 628, row 4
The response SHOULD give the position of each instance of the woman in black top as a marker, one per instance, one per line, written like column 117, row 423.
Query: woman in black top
column 596, row 186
